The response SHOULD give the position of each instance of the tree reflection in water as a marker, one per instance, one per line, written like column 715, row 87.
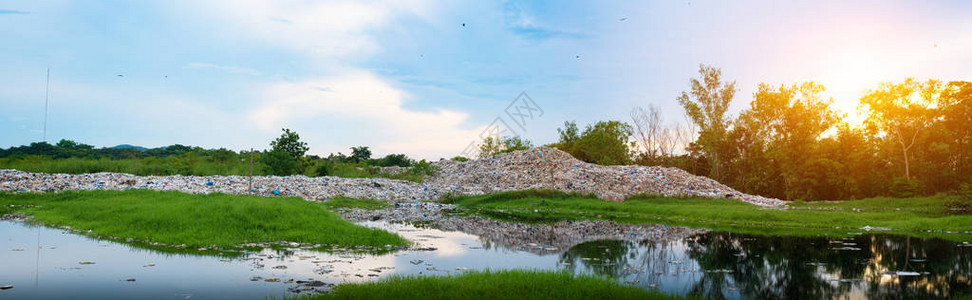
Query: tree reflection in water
column 725, row 265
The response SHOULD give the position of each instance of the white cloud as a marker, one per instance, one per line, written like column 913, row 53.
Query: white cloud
column 230, row 69
column 343, row 104
column 362, row 97
column 322, row 29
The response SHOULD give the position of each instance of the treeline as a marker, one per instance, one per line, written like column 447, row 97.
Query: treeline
column 76, row 158
column 69, row 149
column 287, row 156
column 791, row 143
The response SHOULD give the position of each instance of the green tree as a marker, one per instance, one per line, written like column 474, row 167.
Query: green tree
column 756, row 170
column 280, row 163
column 515, row 143
column 290, row 143
column 569, row 134
column 783, row 127
column 493, row 145
column 605, row 143
column 706, row 105
column 222, row 155
column 901, row 112
column 360, row 154
column 490, row 146
column 286, row 154
column 395, row 160
column 955, row 109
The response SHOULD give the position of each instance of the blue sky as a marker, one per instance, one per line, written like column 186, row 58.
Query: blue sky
column 408, row 77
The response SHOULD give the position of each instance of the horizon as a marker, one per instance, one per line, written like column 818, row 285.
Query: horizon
column 424, row 78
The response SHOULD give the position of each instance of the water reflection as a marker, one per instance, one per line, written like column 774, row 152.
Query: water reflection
column 713, row 265
column 723, row 265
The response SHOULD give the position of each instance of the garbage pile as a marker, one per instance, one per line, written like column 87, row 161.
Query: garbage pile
column 537, row 168
column 314, row 189
column 549, row 168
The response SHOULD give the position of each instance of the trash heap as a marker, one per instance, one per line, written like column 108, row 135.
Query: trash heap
column 314, row 189
column 537, row 168
column 549, row 168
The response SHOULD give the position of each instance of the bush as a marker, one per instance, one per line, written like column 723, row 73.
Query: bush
column 424, row 168
column 393, row 160
column 962, row 204
column 905, row 188
column 460, row 159
column 323, row 168
column 280, row 163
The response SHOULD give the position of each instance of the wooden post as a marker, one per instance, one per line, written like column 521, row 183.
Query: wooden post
column 251, row 172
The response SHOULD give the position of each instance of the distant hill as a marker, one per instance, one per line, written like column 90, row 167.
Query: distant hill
column 127, row 146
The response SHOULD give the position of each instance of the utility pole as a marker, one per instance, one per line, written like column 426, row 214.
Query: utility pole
column 251, row 171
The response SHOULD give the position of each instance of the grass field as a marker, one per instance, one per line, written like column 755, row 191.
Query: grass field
column 492, row 285
column 195, row 220
column 913, row 216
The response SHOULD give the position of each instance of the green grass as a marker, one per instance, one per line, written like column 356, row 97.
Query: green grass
column 515, row 284
column 342, row 202
column 195, row 220
column 914, row 216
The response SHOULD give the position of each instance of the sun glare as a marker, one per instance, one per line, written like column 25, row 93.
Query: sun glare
column 849, row 74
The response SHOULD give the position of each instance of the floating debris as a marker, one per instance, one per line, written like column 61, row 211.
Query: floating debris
column 902, row 273
column 311, row 283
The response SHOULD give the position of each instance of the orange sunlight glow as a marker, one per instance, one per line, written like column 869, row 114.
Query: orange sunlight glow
column 850, row 73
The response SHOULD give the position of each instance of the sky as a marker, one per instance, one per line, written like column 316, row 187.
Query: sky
column 427, row 78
